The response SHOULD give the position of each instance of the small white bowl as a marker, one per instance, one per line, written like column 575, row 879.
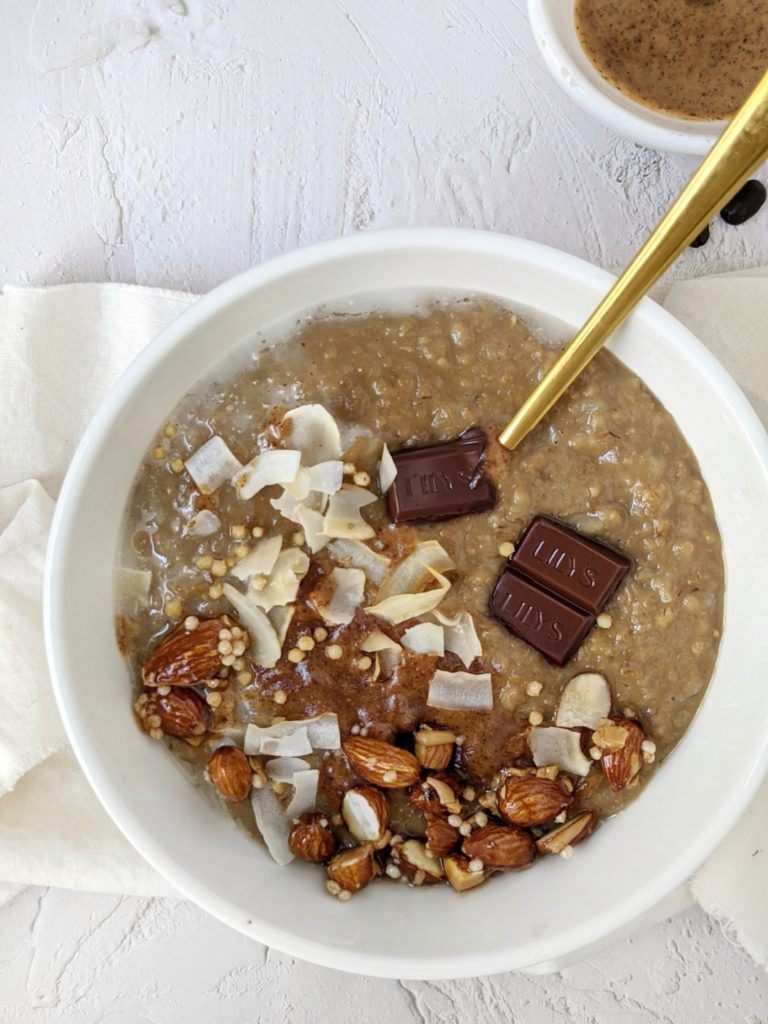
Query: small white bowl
column 522, row 919
column 554, row 30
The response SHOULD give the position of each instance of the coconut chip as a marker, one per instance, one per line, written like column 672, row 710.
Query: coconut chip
column 314, row 432
column 276, row 466
column 387, row 470
column 400, row 607
column 387, row 652
column 282, row 769
column 343, row 518
column 133, row 585
column 283, row 584
column 347, row 596
column 261, row 561
column 323, row 732
column 304, row 793
column 203, row 524
column 326, row 477
column 550, row 744
column 413, row 573
column 272, row 823
column 460, row 691
column 584, row 702
column 280, row 616
column 293, row 745
column 212, row 465
column 359, row 556
column 312, row 523
column 460, row 636
column 426, row 638
column 265, row 645
column 287, row 504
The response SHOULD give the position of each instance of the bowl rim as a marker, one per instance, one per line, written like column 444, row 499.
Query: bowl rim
column 55, row 596
column 607, row 104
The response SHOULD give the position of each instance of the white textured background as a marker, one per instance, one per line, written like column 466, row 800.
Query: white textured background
column 176, row 143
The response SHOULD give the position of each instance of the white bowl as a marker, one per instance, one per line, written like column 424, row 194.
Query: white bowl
column 554, row 30
column 518, row 920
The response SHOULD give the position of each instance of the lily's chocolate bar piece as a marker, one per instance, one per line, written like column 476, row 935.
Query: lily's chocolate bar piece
column 441, row 481
column 576, row 568
column 553, row 627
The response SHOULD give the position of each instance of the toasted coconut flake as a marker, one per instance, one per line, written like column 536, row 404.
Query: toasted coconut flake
column 287, row 505
column 294, row 744
column 347, row 596
column 460, row 636
column 343, row 518
column 289, row 570
column 280, row 616
column 379, row 641
column 276, row 466
column 387, row 470
column 400, row 607
column 388, row 652
column 282, row 769
column 301, row 486
column 265, row 646
column 326, row 477
column 322, row 730
column 272, row 823
column 460, row 691
column 212, row 465
column 261, row 561
column 426, row 638
column 312, row 523
column 355, row 554
column 584, row 702
column 416, row 570
column 551, row 744
column 304, row 793
column 203, row 524
column 314, row 432
column 133, row 585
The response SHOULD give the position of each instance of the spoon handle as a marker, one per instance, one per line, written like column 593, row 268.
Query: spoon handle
column 741, row 148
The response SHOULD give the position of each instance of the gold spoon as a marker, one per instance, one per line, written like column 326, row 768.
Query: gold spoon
column 741, row 148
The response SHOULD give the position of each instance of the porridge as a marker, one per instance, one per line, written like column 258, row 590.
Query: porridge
column 697, row 59
column 319, row 552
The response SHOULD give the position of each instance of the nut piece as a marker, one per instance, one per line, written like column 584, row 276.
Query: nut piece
column 458, row 874
column 352, row 869
column 437, row 794
column 584, row 702
column 499, row 846
column 381, row 764
column 569, row 834
column 530, row 801
column 434, row 747
column 442, row 838
column 312, row 839
column 415, row 863
column 619, row 740
column 366, row 813
column 229, row 770
column 188, row 657
column 181, row 712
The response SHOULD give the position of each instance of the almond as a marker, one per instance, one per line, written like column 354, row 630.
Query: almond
column 499, row 846
column 230, row 772
column 181, row 713
column 620, row 741
column 190, row 656
column 437, row 794
column 442, row 838
column 312, row 839
column 415, row 863
column 459, row 876
column 434, row 747
column 352, row 869
column 366, row 813
column 381, row 764
column 569, row 834
column 530, row 801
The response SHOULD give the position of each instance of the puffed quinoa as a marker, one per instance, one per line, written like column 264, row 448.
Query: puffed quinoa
column 214, row 699
column 219, row 567
column 191, row 622
column 159, row 452
column 475, row 865
column 280, row 697
column 296, row 655
column 297, row 539
column 215, row 591
column 469, row 794
column 334, row 652
column 465, row 828
column 244, row 678
column 535, row 718
column 362, row 479
column 604, row 620
column 173, row 608
column 257, row 531
column 320, row 634
column 349, row 469
column 239, row 532
column 455, row 820
column 364, row 663
column 506, row 549
column 204, row 562
column 305, row 643
column 534, row 688
column 177, row 466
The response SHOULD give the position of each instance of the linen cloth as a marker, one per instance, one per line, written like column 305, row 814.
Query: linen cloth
column 61, row 348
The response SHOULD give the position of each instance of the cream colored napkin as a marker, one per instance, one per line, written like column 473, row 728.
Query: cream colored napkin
column 60, row 350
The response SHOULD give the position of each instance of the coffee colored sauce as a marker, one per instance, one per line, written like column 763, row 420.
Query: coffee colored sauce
column 696, row 59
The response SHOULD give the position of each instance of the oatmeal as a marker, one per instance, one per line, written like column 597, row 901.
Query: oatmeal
column 332, row 656
column 690, row 58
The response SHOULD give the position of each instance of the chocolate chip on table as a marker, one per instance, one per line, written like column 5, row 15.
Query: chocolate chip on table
column 701, row 239
column 745, row 203
column 441, row 481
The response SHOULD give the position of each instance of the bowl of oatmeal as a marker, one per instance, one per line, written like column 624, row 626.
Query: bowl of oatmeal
column 371, row 689
column 668, row 75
